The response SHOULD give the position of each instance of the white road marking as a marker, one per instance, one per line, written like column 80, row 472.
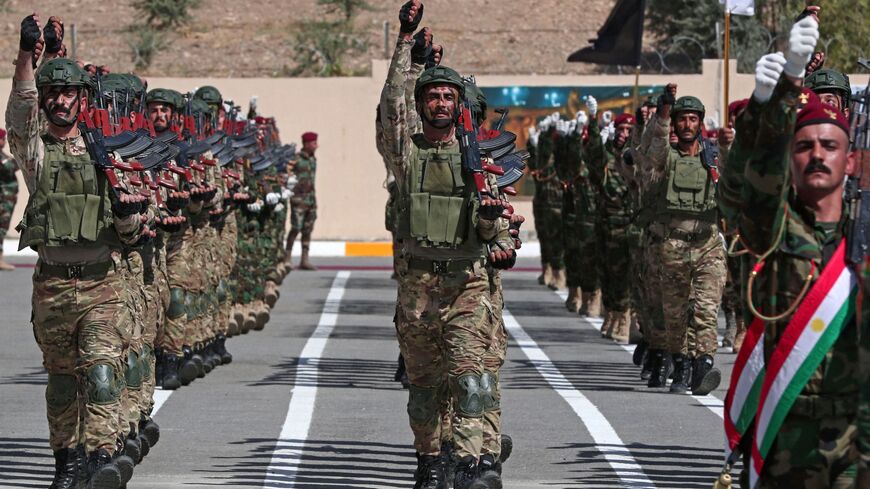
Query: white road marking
column 711, row 402
column 288, row 450
column 606, row 440
column 160, row 397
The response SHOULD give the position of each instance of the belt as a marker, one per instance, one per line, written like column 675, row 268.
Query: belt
column 817, row 407
column 442, row 266
column 80, row 271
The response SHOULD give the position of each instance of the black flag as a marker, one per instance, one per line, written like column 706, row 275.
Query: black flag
column 619, row 40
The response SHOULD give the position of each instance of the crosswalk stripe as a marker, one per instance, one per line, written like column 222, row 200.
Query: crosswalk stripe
column 289, row 448
column 606, row 440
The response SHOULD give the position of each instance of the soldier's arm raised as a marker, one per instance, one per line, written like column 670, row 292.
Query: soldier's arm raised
column 22, row 110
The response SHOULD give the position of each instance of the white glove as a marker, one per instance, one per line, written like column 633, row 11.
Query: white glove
column 606, row 117
column 562, row 127
column 286, row 193
column 572, row 127
column 801, row 46
column 273, row 198
column 555, row 116
column 767, row 72
column 291, row 182
column 582, row 119
column 534, row 134
column 279, row 207
column 592, row 105
column 256, row 207
column 608, row 132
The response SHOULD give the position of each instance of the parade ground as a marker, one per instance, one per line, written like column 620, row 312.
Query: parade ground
column 310, row 401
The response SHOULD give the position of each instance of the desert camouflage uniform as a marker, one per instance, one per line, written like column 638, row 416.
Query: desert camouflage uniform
column 812, row 449
column 82, row 325
column 304, row 201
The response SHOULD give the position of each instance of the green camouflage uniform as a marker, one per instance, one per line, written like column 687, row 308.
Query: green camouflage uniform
column 547, row 202
column 8, row 193
column 691, row 255
column 304, row 200
column 812, row 448
column 444, row 312
column 81, row 321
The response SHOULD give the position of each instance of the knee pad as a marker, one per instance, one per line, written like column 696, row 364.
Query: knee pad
column 469, row 396
column 133, row 371
column 422, row 403
column 102, row 384
column 145, row 358
column 489, row 392
column 176, row 303
column 60, row 391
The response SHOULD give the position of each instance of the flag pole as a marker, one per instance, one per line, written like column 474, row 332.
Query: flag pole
column 727, row 55
column 636, row 88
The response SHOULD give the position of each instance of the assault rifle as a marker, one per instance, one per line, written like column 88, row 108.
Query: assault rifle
column 858, row 186
column 472, row 159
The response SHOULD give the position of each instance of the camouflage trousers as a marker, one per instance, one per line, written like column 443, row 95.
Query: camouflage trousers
column 810, row 454
column 493, row 359
column 695, row 276
column 178, row 267
column 302, row 216
column 445, row 329
column 651, row 293
column 616, row 266
column 547, row 209
column 227, row 252
column 83, row 327
column 157, row 303
column 582, row 247
column 7, row 205
column 135, row 361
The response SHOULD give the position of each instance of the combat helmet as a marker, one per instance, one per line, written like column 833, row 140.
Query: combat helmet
column 63, row 72
column 209, row 95
column 164, row 95
column 688, row 103
column 439, row 74
column 828, row 80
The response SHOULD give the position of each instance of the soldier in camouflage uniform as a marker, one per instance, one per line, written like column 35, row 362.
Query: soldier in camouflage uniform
column 615, row 211
column 692, row 255
column 806, row 153
column 80, row 318
column 443, row 324
column 547, row 205
column 8, row 195
column 303, row 204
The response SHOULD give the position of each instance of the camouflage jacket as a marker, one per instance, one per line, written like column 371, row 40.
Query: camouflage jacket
column 570, row 155
column 758, row 197
column 305, row 171
column 8, row 181
column 615, row 199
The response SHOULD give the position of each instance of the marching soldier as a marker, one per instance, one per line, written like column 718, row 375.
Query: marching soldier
column 303, row 204
column 8, row 195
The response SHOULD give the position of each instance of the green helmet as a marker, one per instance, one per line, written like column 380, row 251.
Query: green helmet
column 163, row 95
column 114, row 82
column 135, row 82
column 208, row 94
column 688, row 104
column 198, row 106
column 63, row 72
column 439, row 74
column 826, row 80
column 651, row 101
column 476, row 99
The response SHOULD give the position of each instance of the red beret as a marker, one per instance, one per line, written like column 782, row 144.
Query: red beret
column 260, row 119
column 623, row 119
column 737, row 106
column 816, row 112
column 2, row 133
column 807, row 97
column 309, row 136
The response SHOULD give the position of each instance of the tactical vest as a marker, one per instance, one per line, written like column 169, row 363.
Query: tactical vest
column 688, row 191
column 438, row 207
column 70, row 204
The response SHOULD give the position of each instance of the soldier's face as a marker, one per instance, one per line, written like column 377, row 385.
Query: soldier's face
column 831, row 99
column 622, row 133
column 310, row 147
column 160, row 115
column 439, row 105
column 61, row 104
column 687, row 126
column 820, row 160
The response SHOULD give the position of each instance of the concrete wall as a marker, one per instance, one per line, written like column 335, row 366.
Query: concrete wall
column 351, row 197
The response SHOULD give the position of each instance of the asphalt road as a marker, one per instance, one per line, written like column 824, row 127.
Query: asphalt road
column 309, row 402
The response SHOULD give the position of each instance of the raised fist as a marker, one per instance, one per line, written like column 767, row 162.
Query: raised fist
column 53, row 35
column 31, row 33
column 422, row 48
column 801, row 45
column 592, row 105
column 410, row 16
column 767, row 71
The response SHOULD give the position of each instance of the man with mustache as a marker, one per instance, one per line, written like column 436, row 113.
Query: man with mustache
column 788, row 195
column 78, row 225
column 444, row 302
column 685, row 235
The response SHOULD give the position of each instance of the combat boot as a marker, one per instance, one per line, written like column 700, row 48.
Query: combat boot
column 592, row 304
column 705, row 378
column 66, row 468
column 429, row 473
column 125, row 466
column 660, row 368
column 220, row 347
column 546, row 274
column 607, row 326
column 158, row 366
column 271, row 295
column 304, row 263
column 620, row 327
column 490, row 471
column 250, row 321
column 101, row 471
column 188, row 370
column 740, row 336
column 4, row 265
column 559, row 280
column 170, row 379
column 150, row 430
column 239, row 315
column 507, row 447
column 132, row 448
column 232, row 326
column 448, row 461
column 573, row 301
column 262, row 315
column 466, row 475
column 206, row 366
column 401, row 375
column 637, row 356
column 682, row 374
column 144, row 447
column 635, row 337
column 213, row 356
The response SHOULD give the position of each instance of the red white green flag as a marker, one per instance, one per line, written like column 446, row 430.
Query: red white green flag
column 812, row 331
column 743, row 393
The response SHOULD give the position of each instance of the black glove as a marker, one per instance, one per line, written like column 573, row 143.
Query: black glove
column 407, row 25
column 29, row 34
column 430, row 61
column 508, row 263
column 126, row 209
column 53, row 42
column 666, row 98
column 421, row 51
column 490, row 212
column 169, row 228
column 175, row 204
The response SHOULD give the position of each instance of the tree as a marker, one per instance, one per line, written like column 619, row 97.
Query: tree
column 322, row 46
